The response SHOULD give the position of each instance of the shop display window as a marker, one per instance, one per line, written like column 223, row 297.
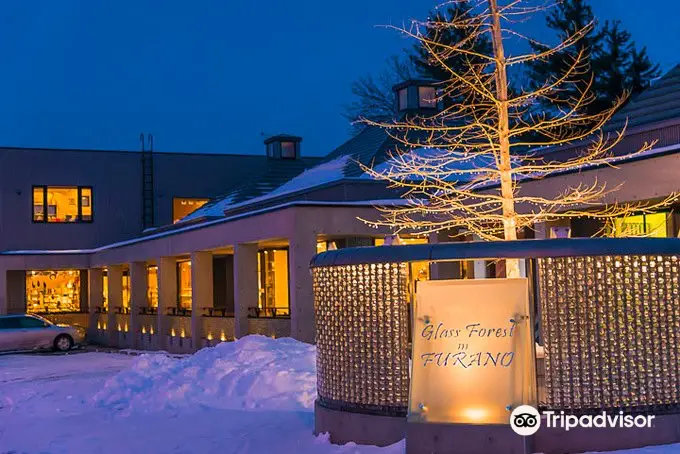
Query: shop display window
column 52, row 291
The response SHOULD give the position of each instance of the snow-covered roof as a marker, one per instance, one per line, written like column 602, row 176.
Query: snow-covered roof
column 323, row 173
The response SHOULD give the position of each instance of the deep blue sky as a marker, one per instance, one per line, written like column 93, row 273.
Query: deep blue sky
column 211, row 75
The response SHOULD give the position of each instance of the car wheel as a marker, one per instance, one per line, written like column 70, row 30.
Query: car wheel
column 63, row 343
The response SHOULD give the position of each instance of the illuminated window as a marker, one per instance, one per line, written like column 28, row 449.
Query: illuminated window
column 650, row 225
column 52, row 291
column 86, row 204
column 126, row 289
column 321, row 246
column 152, row 286
column 184, row 284
column 403, row 99
column 105, row 290
column 427, row 97
column 39, row 204
column 55, row 204
column 272, row 265
column 182, row 207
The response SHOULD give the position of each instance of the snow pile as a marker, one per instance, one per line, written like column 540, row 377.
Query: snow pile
column 255, row 372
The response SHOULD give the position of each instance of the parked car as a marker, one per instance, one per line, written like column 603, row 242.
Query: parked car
column 31, row 332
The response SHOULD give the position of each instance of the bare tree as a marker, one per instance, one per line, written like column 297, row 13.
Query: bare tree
column 373, row 97
column 462, row 169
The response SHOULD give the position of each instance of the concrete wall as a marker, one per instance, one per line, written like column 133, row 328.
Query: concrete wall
column 115, row 177
column 16, row 292
column 277, row 327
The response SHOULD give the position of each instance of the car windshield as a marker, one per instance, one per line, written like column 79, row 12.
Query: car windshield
column 41, row 319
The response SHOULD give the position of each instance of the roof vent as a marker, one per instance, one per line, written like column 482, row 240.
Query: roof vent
column 283, row 146
column 416, row 95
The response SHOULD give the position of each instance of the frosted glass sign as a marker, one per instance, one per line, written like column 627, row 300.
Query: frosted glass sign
column 472, row 351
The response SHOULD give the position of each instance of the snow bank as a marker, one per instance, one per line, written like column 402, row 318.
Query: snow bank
column 255, row 372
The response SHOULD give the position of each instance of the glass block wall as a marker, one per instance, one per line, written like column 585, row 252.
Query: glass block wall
column 610, row 327
column 362, row 336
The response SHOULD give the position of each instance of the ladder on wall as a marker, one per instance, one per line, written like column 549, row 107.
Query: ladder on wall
column 147, row 181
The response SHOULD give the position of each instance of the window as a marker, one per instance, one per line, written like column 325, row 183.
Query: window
column 184, row 284
column 53, row 291
column 9, row 323
column 427, row 97
column 56, row 204
column 105, row 290
column 182, row 207
column 272, row 267
column 650, row 225
column 403, row 99
column 288, row 150
column 126, row 289
column 30, row 322
column 152, row 286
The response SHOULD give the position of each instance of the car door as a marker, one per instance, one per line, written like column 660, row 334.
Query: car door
column 10, row 334
column 35, row 333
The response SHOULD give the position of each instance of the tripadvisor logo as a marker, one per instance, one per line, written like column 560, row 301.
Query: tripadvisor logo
column 525, row 420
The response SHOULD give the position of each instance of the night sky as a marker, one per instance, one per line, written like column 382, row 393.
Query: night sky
column 213, row 75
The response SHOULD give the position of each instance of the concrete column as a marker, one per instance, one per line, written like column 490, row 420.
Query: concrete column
column 201, row 293
column 95, row 299
column 167, row 296
column 115, row 298
column 3, row 291
column 245, row 285
column 138, row 288
column 541, row 231
column 301, row 250
column 443, row 270
column 479, row 266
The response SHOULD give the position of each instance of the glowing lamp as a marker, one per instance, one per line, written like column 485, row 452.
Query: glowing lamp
column 475, row 415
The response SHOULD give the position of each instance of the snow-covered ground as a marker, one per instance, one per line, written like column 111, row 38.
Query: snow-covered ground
column 252, row 396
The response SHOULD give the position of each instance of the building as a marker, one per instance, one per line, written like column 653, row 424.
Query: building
column 239, row 263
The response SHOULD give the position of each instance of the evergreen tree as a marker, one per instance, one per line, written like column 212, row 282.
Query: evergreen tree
column 373, row 96
column 641, row 70
column 436, row 36
column 569, row 19
column 611, row 65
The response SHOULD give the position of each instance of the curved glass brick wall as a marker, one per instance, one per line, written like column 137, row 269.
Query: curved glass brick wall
column 611, row 326
column 362, row 337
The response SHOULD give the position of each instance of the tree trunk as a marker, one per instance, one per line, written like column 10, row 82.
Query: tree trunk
column 503, row 127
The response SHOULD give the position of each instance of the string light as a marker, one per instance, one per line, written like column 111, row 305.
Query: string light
column 465, row 169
